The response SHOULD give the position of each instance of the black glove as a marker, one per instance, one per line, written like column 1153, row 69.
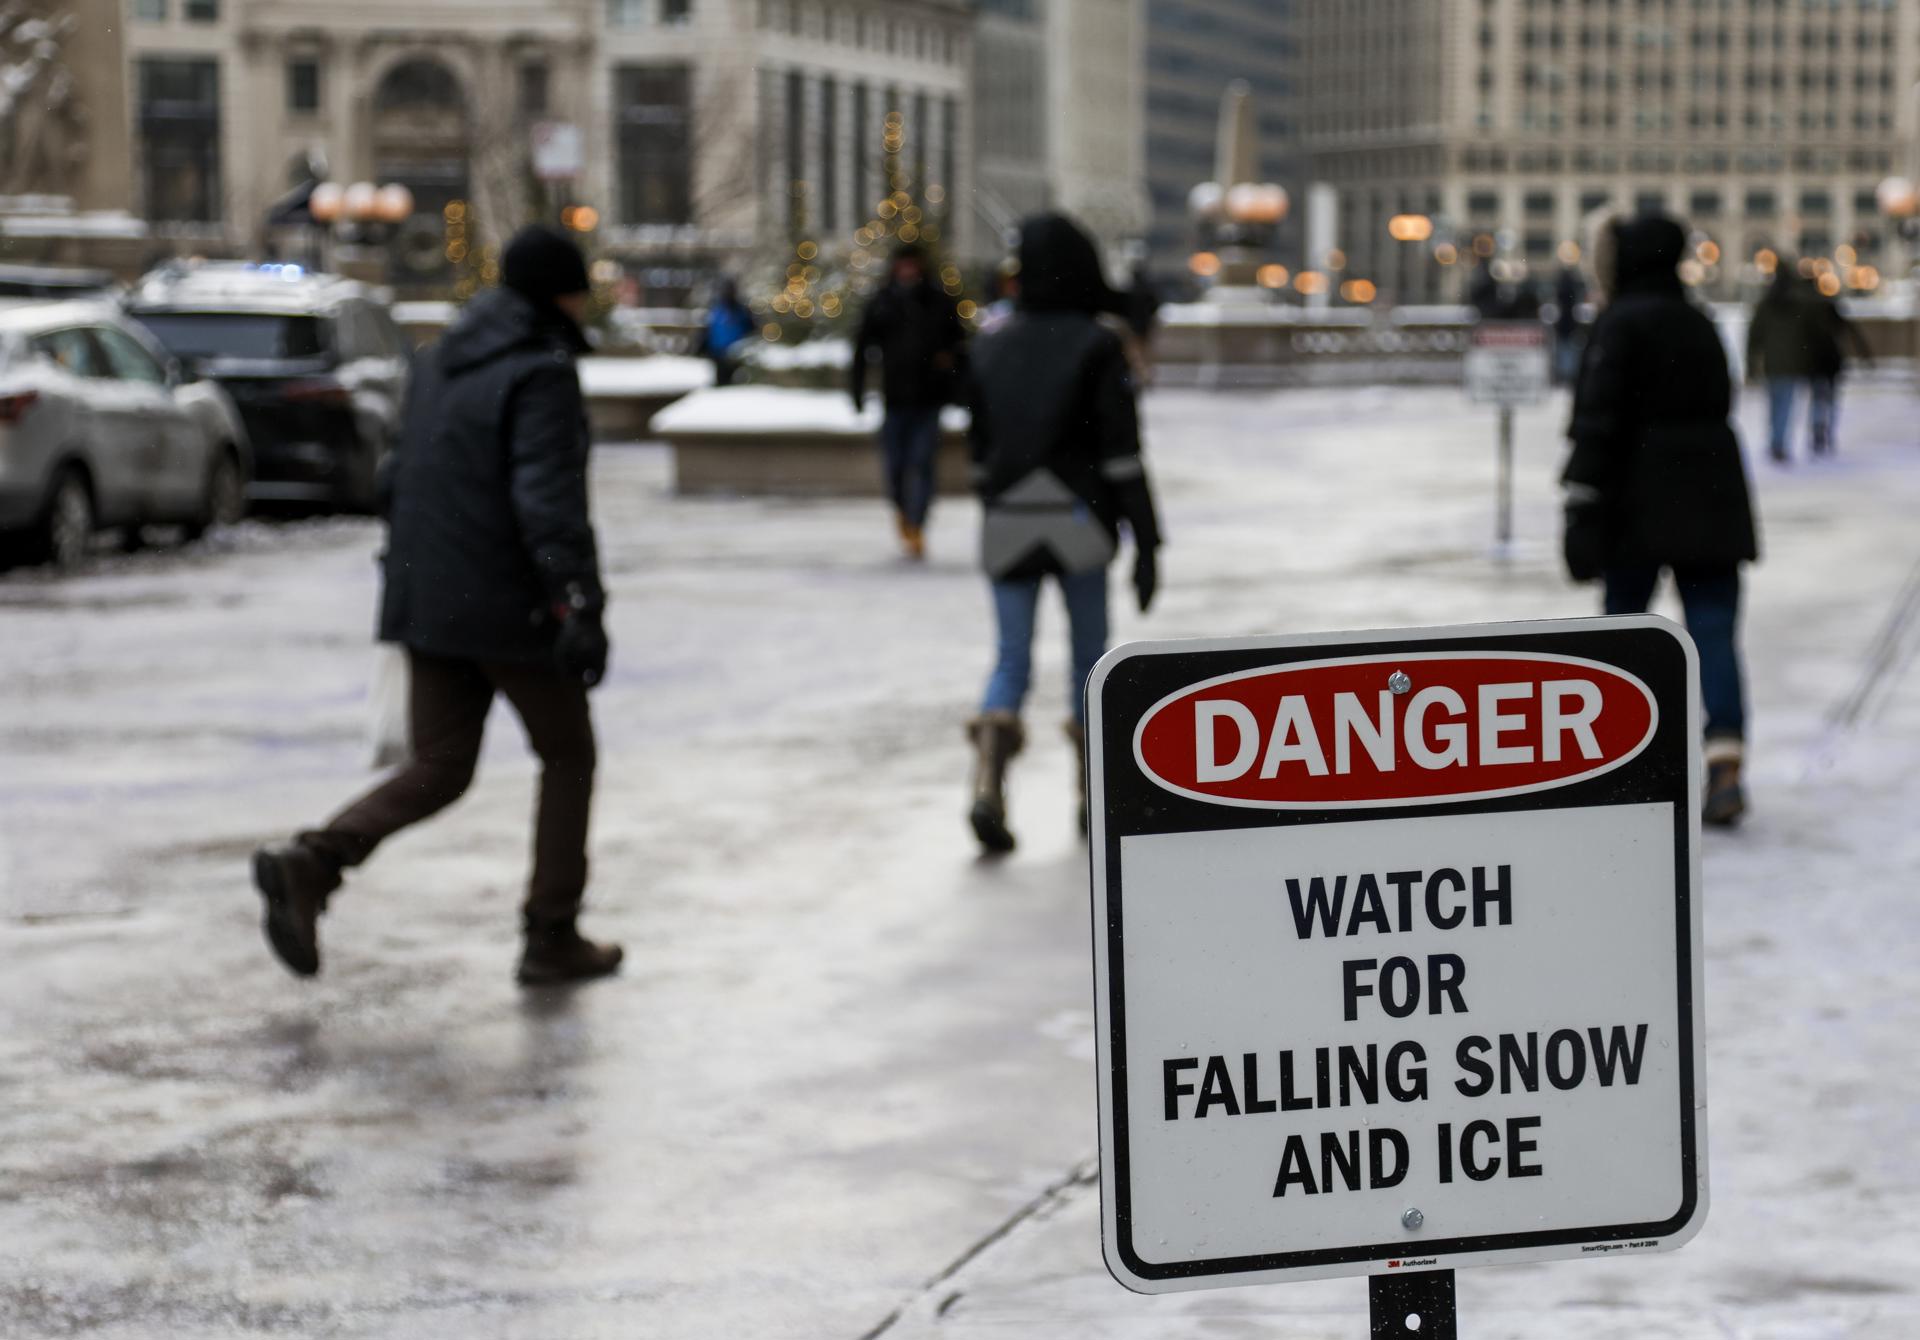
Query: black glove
column 581, row 650
column 1146, row 577
column 1584, row 543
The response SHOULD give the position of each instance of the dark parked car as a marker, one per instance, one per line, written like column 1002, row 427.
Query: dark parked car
column 313, row 361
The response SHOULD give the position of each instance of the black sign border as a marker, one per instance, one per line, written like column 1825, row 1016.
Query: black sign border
column 1139, row 675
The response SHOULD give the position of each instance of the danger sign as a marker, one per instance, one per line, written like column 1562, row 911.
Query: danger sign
column 1397, row 950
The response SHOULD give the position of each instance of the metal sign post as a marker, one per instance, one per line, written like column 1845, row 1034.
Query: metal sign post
column 1397, row 955
column 1509, row 363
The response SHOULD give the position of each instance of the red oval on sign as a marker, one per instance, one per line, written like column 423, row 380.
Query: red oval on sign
column 1464, row 726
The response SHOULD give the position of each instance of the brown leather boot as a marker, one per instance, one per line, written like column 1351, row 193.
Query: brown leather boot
column 295, row 881
column 556, row 953
column 996, row 738
column 1726, row 799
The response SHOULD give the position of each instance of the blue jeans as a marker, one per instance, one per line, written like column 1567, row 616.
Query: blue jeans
column 1710, row 596
column 910, row 443
column 1780, row 396
column 1016, row 606
column 1823, row 411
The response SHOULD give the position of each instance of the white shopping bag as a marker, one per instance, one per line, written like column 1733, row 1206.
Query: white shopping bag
column 389, row 719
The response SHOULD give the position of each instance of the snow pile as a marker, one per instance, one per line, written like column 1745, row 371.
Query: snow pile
column 778, row 409
column 810, row 355
column 657, row 375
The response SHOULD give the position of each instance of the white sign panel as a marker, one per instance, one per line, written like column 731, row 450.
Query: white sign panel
column 1397, row 950
column 1509, row 363
column 559, row 151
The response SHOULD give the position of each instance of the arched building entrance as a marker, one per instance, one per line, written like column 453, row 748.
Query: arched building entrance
column 421, row 133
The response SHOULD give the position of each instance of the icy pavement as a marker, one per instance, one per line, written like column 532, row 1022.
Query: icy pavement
column 845, row 1086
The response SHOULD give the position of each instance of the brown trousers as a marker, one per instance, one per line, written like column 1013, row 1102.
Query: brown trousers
column 449, row 701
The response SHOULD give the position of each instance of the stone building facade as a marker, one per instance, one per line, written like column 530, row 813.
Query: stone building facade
column 1767, row 125
column 709, row 130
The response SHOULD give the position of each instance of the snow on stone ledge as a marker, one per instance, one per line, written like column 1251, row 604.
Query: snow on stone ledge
column 655, row 375
column 730, row 410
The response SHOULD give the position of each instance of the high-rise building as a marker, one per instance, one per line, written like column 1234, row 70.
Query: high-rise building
column 1195, row 49
column 708, row 130
column 1060, row 116
column 1766, row 125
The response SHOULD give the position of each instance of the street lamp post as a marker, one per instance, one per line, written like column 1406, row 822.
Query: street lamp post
column 360, row 214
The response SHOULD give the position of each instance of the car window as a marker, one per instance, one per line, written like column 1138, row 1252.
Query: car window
column 72, row 350
column 236, row 334
column 127, row 360
column 358, row 339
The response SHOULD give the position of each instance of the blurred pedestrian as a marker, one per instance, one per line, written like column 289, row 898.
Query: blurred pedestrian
column 1798, row 333
column 916, row 328
column 1140, row 309
column 729, row 321
column 493, row 587
column 1569, row 291
column 1781, row 335
column 1835, row 335
column 1655, row 479
column 1055, row 442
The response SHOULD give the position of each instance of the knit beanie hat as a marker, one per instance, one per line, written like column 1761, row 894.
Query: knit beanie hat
column 543, row 264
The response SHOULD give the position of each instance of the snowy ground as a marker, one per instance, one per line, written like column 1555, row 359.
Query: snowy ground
column 845, row 1086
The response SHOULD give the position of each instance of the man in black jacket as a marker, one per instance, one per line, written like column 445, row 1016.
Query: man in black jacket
column 493, row 587
column 1655, row 479
column 1055, row 440
column 916, row 327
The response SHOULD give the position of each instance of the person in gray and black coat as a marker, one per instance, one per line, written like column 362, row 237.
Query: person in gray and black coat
column 493, row 587
column 1055, row 441
column 1655, row 478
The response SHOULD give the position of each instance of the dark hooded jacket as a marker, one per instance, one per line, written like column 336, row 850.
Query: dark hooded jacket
column 1655, row 475
column 488, row 529
column 1051, row 391
column 916, row 329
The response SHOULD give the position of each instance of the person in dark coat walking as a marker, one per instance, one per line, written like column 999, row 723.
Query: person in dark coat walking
column 916, row 329
column 1796, row 334
column 1655, row 479
column 1055, row 441
column 493, row 587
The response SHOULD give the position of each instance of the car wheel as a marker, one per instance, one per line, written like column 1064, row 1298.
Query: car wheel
column 225, row 501
column 66, row 528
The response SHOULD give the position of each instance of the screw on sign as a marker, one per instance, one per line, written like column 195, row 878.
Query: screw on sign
column 1397, row 955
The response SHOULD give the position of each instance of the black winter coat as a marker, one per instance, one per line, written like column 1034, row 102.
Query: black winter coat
column 488, row 529
column 1052, row 390
column 921, row 342
column 1655, row 475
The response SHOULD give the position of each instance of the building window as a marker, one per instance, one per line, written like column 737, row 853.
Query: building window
column 1704, row 203
column 653, row 131
column 1483, row 202
column 150, row 11
column 627, row 13
column 1815, row 202
column 533, row 88
column 796, row 156
column 180, row 139
column 303, row 86
column 676, row 11
column 1650, row 202
column 1760, row 204
column 862, row 155
column 1592, row 200
column 829, row 157
column 1539, row 202
column 201, row 11
column 949, row 128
